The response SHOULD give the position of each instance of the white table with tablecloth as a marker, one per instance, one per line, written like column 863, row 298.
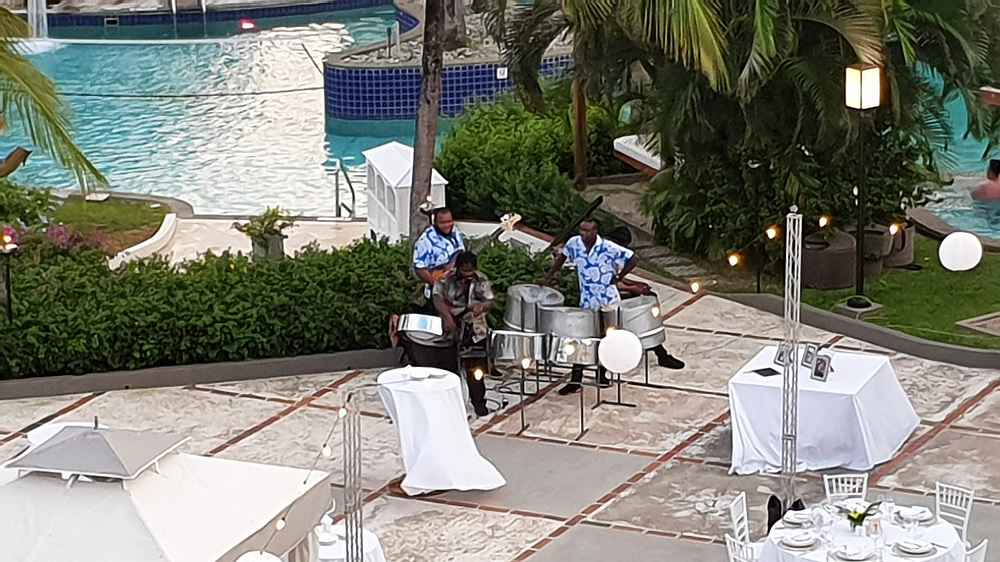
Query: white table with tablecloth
column 438, row 450
column 337, row 551
column 944, row 542
column 858, row 418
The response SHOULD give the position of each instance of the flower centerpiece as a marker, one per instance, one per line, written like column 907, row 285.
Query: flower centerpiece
column 856, row 517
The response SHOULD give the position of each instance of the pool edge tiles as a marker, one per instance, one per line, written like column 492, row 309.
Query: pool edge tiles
column 124, row 19
column 355, row 92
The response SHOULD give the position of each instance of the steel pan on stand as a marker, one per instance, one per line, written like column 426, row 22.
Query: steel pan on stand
column 573, row 337
column 641, row 316
column 523, row 302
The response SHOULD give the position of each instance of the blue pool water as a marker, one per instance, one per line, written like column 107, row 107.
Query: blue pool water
column 231, row 126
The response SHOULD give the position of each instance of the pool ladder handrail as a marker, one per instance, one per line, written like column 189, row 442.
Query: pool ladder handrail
column 336, row 189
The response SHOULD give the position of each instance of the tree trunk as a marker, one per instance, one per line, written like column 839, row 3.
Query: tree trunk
column 455, row 35
column 579, row 132
column 428, row 113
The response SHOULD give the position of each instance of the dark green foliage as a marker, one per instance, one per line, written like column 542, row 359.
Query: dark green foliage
column 21, row 205
column 501, row 158
column 73, row 315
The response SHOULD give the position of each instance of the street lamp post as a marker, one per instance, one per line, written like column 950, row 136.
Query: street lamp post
column 862, row 93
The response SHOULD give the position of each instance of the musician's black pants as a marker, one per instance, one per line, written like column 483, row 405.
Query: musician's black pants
column 577, row 375
column 445, row 358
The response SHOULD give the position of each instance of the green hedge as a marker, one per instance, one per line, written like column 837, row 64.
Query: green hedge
column 501, row 158
column 73, row 315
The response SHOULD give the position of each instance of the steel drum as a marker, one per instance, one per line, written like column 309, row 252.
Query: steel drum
column 509, row 347
column 422, row 329
column 523, row 302
column 639, row 315
column 573, row 334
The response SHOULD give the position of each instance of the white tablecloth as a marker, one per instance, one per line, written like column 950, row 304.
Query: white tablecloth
column 940, row 533
column 859, row 418
column 438, row 450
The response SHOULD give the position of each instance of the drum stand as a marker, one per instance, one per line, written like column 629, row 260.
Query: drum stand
column 618, row 378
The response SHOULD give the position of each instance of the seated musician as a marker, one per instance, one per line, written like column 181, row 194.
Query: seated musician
column 462, row 298
column 631, row 288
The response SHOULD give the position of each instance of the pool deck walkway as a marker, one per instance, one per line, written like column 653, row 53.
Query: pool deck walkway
column 644, row 484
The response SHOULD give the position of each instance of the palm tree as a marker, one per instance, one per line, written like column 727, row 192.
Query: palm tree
column 428, row 113
column 686, row 31
column 25, row 92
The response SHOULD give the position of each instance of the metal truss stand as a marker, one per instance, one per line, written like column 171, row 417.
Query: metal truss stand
column 353, row 494
column 617, row 402
column 790, row 376
column 645, row 379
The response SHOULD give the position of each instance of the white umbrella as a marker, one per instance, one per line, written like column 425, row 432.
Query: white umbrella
column 189, row 509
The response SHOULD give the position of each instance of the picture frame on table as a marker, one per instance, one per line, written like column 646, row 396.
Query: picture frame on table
column 809, row 356
column 822, row 367
column 783, row 353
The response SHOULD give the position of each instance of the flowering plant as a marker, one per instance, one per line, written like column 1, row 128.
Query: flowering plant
column 857, row 517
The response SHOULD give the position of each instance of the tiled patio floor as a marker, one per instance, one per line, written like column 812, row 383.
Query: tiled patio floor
column 643, row 484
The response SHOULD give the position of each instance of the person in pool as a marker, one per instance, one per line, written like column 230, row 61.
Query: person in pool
column 989, row 192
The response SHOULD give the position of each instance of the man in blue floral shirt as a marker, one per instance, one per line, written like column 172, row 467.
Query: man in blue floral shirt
column 600, row 264
column 435, row 251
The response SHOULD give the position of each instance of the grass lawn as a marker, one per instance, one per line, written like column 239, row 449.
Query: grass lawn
column 119, row 223
column 927, row 303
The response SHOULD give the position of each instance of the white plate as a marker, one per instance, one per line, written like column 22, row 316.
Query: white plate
column 853, row 553
column 419, row 374
column 796, row 518
column 912, row 546
column 917, row 513
column 803, row 539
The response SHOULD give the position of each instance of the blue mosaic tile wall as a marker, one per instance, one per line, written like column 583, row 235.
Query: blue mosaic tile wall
column 407, row 21
column 162, row 18
column 373, row 94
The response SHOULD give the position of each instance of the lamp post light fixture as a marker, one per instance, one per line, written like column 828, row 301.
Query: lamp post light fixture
column 862, row 93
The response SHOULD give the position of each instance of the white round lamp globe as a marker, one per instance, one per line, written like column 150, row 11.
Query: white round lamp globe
column 960, row 251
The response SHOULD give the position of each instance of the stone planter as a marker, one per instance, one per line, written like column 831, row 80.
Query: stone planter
column 901, row 248
column 828, row 263
column 878, row 244
column 271, row 248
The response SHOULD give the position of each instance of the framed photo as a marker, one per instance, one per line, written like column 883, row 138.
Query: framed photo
column 822, row 367
column 809, row 357
column 784, row 351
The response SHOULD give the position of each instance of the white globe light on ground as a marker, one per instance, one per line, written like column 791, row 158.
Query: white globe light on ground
column 258, row 556
column 960, row 251
column 620, row 351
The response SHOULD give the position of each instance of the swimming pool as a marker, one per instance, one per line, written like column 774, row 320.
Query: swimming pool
column 231, row 126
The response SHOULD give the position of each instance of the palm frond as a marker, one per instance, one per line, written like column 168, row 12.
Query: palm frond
column 856, row 28
column 763, row 49
column 35, row 100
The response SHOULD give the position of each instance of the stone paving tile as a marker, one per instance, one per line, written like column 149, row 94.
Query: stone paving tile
column 11, row 448
column 710, row 360
column 937, row 389
column 16, row 415
column 853, row 344
column 567, row 482
column 288, row 388
column 684, row 497
column 984, row 415
column 662, row 420
column 208, row 419
column 954, row 457
column 363, row 387
column 297, row 439
column 718, row 314
column 419, row 531
column 588, row 543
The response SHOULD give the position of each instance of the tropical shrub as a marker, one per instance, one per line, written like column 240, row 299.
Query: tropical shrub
column 73, row 315
column 22, row 205
column 502, row 158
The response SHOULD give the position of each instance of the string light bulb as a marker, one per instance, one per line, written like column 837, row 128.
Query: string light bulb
column 327, row 451
column 525, row 363
column 342, row 412
column 478, row 373
column 734, row 260
column 695, row 286
column 772, row 232
column 655, row 311
column 825, row 221
column 569, row 349
column 894, row 229
column 279, row 524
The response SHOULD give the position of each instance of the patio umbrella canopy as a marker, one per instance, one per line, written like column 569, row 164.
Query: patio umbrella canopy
column 182, row 508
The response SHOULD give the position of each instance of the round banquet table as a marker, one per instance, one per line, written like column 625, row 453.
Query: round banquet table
column 338, row 550
column 940, row 534
column 438, row 450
